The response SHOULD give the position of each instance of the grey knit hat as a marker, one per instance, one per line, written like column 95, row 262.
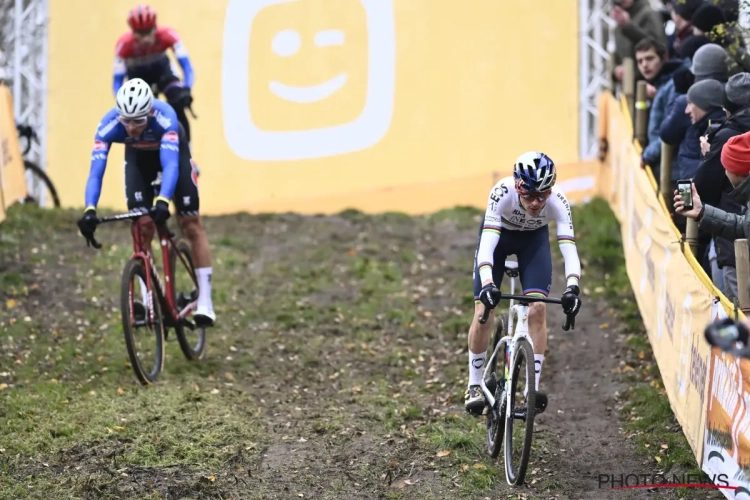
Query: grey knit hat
column 710, row 61
column 708, row 95
column 738, row 89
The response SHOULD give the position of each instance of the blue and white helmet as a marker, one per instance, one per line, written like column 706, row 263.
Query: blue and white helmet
column 534, row 171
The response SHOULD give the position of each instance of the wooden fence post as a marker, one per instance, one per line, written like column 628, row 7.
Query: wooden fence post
column 665, row 175
column 641, row 113
column 691, row 234
column 628, row 84
column 742, row 256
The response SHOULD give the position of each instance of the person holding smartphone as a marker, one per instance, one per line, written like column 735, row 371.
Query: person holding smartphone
column 735, row 157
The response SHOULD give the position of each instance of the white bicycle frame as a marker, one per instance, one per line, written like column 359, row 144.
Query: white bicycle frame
column 519, row 313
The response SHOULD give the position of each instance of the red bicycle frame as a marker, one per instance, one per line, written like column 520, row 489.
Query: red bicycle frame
column 165, row 293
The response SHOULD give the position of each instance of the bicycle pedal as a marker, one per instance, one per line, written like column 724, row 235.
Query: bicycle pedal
column 476, row 413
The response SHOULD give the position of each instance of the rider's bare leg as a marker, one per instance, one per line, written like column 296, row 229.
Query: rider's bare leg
column 538, row 334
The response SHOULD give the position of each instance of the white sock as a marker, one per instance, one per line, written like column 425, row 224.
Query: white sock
column 538, row 360
column 476, row 368
column 204, row 286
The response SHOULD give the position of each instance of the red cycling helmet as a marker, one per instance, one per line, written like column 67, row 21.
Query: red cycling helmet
column 142, row 18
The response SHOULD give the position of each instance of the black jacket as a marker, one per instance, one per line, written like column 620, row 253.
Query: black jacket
column 712, row 184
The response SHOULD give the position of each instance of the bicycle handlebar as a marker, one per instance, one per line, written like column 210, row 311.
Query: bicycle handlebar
column 570, row 320
column 29, row 133
column 91, row 241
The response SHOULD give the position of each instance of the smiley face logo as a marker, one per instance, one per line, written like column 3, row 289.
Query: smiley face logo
column 307, row 78
column 287, row 43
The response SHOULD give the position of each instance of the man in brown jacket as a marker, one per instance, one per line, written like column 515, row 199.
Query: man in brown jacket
column 635, row 20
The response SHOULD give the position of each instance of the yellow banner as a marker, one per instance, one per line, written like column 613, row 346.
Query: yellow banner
column 673, row 300
column 318, row 106
column 12, row 172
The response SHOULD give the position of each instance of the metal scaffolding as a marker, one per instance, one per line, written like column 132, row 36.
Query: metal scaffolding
column 596, row 43
column 23, row 57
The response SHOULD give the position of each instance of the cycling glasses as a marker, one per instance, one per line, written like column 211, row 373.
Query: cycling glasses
column 134, row 121
column 144, row 33
column 539, row 195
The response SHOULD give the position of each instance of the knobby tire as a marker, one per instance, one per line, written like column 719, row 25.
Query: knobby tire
column 135, row 269
column 515, row 476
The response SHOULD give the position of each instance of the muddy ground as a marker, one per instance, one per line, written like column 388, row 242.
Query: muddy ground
column 336, row 371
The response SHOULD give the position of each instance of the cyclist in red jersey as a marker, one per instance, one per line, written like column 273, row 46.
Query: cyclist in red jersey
column 142, row 53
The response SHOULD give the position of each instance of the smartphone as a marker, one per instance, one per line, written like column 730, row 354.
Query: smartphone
column 685, row 190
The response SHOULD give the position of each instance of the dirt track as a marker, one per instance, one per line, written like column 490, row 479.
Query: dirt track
column 337, row 371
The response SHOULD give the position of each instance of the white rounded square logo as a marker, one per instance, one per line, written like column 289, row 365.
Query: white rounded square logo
column 306, row 79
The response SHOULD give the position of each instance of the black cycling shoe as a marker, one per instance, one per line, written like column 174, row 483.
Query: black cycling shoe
column 540, row 402
column 139, row 312
column 474, row 400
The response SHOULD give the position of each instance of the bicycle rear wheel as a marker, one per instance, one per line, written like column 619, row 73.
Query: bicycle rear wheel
column 40, row 182
column 135, row 307
column 518, row 446
column 192, row 343
column 495, row 416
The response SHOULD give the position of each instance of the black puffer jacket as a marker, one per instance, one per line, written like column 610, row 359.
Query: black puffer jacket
column 712, row 183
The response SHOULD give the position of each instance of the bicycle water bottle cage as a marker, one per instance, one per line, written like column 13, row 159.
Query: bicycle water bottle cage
column 511, row 268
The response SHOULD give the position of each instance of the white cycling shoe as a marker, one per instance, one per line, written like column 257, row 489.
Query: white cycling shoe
column 204, row 316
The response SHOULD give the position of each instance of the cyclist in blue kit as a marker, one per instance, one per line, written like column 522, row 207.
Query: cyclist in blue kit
column 519, row 210
column 154, row 142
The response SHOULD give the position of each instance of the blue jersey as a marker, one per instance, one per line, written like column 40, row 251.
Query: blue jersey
column 161, row 133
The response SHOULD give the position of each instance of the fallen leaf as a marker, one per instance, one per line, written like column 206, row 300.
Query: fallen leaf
column 604, row 326
column 120, row 390
column 444, row 453
column 356, row 389
column 478, row 466
column 229, row 377
column 197, row 389
column 212, row 478
column 3, row 387
column 10, row 303
column 464, row 467
column 658, row 459
column 665, row 446
column 214, row 391
column 641, row 355
column 118, row 428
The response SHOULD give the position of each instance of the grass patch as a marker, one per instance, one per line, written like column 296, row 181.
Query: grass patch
column 648, row 418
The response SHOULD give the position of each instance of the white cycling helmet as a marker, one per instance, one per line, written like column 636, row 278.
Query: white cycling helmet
column 134, row 99
column 534, row 171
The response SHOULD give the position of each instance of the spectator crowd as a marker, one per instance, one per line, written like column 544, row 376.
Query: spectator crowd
column 696, row 64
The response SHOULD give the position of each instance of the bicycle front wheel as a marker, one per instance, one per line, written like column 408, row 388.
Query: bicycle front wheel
column 519, row 425
column 142, row 324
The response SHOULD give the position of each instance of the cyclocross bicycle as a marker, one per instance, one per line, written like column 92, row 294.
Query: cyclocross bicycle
column 157, row 306
column 501, row 385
